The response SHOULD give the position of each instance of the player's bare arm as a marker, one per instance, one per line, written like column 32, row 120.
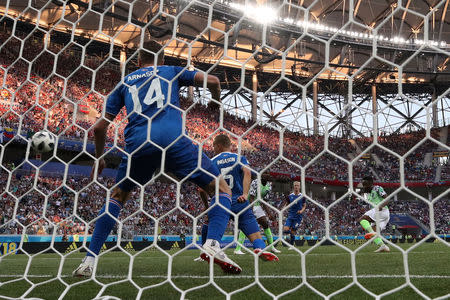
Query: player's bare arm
column 303, row 208
column 100, row 130
column 246, row 184
column 212, row 83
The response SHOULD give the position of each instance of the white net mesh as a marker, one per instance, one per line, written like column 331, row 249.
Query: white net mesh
column 320, row 92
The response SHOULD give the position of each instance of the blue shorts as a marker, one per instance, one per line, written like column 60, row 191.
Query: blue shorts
column 247, row 221
column 293, row 222
column 181, row 160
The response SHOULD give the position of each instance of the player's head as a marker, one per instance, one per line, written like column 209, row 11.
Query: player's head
column 222, row 143
column 263, row 181
column 367, row 183
column 296, row 187
column 148, row 52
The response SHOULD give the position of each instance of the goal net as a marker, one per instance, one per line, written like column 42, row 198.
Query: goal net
column 317, row 93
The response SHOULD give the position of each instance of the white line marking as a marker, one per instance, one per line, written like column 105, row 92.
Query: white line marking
column 230, row 253
column 243, row 276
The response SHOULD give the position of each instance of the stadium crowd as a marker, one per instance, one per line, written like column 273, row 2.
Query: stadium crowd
column 58, row 93
column 68, row 205
column 72, row 85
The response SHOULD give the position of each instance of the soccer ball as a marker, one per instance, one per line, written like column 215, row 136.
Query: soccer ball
column 43, row 141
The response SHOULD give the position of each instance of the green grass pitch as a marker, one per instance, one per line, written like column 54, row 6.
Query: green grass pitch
column 327, row 269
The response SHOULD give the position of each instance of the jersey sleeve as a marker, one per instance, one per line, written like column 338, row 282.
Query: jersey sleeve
column 381, row 191
column 268, row 191
column 253, row 188
column 186, row 78
column 115, row 101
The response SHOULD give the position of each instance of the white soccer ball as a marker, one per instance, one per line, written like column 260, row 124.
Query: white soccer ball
column 43, row 141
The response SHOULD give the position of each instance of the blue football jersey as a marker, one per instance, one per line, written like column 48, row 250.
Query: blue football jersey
column 231, row 171
column 298, row 205
column 145, row 93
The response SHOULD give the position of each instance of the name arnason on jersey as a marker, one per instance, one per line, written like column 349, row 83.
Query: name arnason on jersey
column 139, row 76
column 226, row 160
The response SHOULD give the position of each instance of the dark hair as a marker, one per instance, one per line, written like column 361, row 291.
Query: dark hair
column 222, row 139
column 148, row 52
column 368, row 178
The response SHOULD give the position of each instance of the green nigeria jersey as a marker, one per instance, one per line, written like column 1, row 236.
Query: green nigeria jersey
column 376, row 195
column 265, row 189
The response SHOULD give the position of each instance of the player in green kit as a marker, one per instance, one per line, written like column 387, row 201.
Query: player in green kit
column 260, row 214
column 376, row 195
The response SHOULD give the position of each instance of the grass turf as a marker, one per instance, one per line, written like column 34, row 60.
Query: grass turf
column 328, row 269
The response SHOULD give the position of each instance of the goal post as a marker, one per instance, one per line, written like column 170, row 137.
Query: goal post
column 306, row 96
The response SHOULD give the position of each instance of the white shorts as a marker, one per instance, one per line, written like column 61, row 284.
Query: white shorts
column 383, row 217
column 258, row 211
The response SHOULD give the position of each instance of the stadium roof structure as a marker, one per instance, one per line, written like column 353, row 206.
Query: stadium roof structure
column 287, row 61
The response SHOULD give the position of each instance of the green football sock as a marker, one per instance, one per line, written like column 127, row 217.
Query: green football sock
column 378, row 241
column 366, row 225
column 241, row 239
column 269, row 236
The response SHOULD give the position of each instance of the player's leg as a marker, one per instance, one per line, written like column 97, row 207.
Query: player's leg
column 249, row 226
column 204, row 233
column 111, row 210
column 204, row 237
column 264, row 222
column 365, row 222
column 288, row 229
column 297, row 221
column 182, row 159
column 240, row 241
column 218, row 217
column 108, row 215
column 384, row 220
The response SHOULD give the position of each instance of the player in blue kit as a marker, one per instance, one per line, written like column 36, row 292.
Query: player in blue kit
column 238, row 176
column 296, row 211
column 154, row 125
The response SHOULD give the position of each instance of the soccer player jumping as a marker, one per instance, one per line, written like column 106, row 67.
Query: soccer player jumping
column 376, row 194
column 155, row 122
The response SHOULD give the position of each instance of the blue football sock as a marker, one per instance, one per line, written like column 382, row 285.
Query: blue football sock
column 292, row 239
column 103, row 226
column 218, row 217
column 204, row 233
column 259, row 244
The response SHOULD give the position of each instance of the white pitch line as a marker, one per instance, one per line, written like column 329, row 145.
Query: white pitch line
column 282, row 255
column 243, row 276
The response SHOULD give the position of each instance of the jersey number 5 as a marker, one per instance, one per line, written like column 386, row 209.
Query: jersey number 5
column 228, row 177
column 154, row 94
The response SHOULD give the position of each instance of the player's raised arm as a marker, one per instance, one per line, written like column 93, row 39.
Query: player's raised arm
column 100, row 130
column 212, row 83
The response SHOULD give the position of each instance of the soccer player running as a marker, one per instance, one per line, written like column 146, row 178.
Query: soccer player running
column 295, row 214
column 236, row 172
column 155, row 122
column 260, row 214
column 376, row 195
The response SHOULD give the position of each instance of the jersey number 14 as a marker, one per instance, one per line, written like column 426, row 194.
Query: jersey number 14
column 154, row 94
